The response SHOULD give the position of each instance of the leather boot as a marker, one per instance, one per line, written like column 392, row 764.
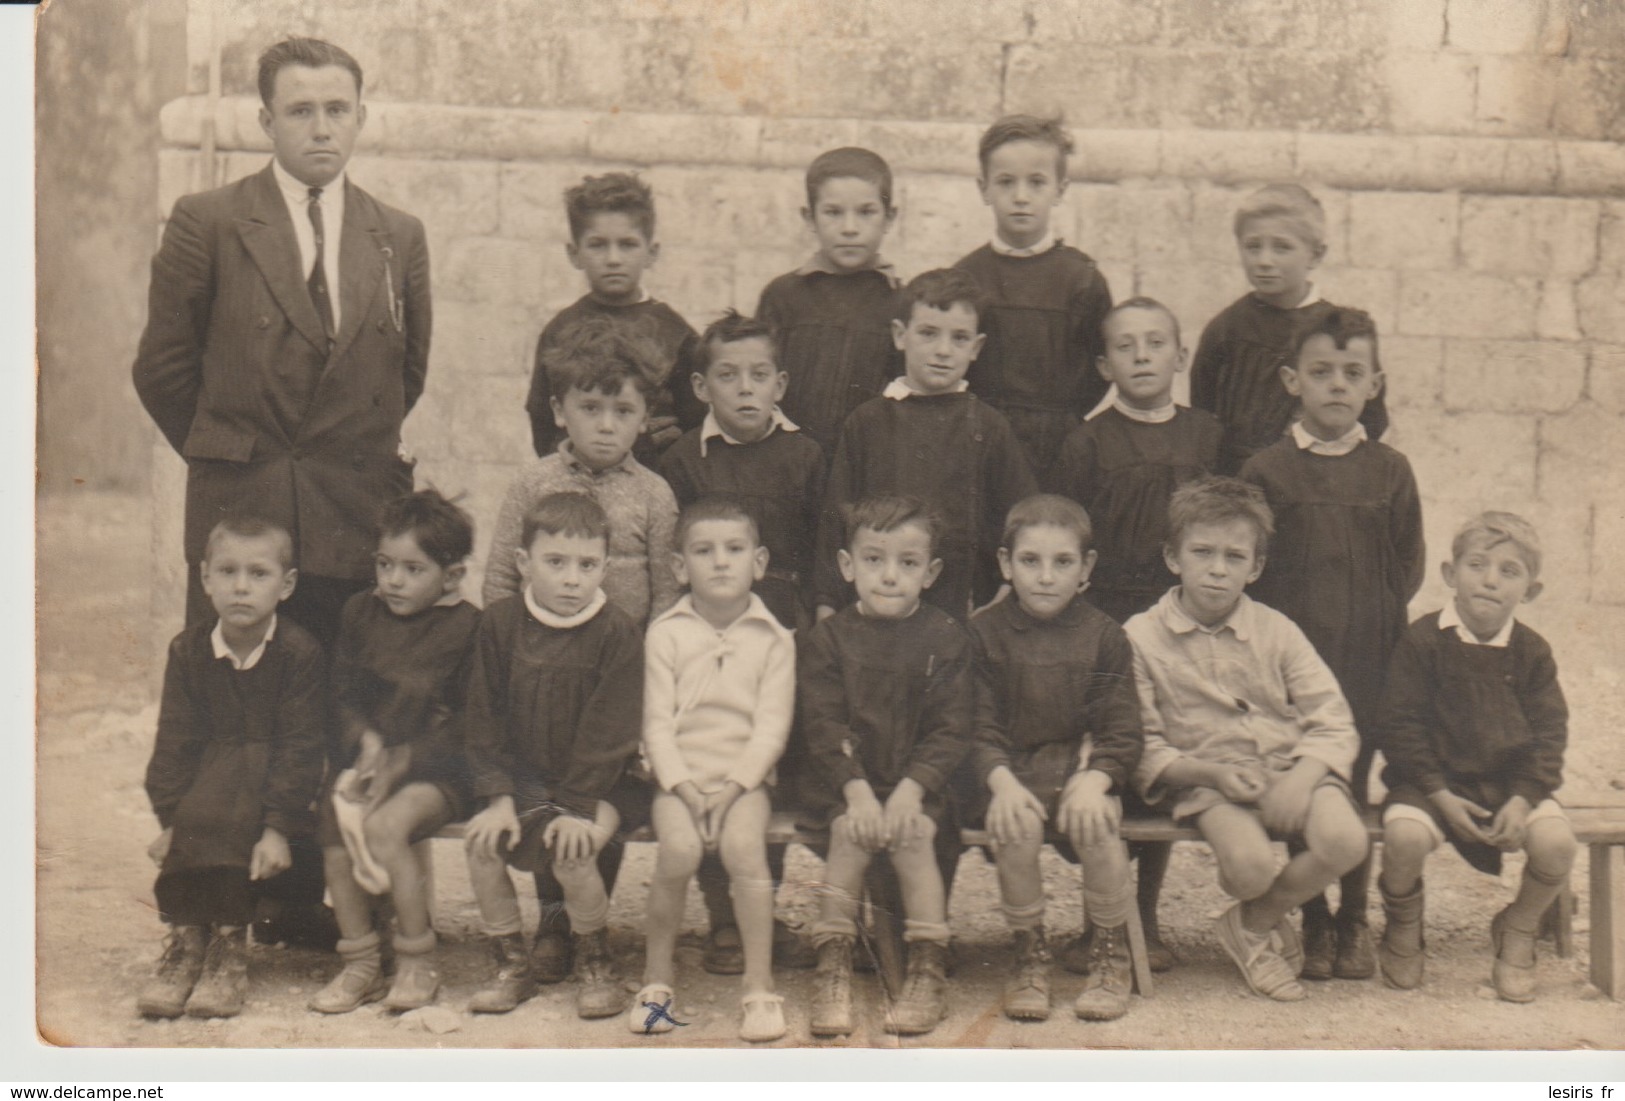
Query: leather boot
column 1319, row 942
column 551, row 957
column 832, row 990
column 1111, row 976
column 924, row 1001
column 600, row 993
column 513, row 983
column 1400, row 953
column 1514, row 979
column 165, row 994
column 417, row 981
column 361, row 980
column 224, row 985
column 1026, row 995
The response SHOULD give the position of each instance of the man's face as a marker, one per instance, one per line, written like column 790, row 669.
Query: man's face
column 313, row 120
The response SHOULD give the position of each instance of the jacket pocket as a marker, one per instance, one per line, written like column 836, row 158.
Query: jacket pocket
column 216, row 442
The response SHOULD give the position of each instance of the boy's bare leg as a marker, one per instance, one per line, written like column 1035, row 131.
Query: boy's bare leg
column 925, row 899
column 599, row 992
column 676, row 858
column 744, row 855
column 1406, row 844
column 1021, row 883
column 361, row 978
column 352, row 906
column 1108, row 898
column 843, row 881
column 923, row 1001
column 1550, row 846
column 416, row 808
column 1021, row 896
column 494, row 894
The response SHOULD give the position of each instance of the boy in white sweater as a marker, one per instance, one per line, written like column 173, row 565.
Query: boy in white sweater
column 719, row 694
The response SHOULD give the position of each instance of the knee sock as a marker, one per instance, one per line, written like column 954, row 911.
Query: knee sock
column 829, row 928
column 587, row 915
column 1535, row 894
column 1030, row 916
column 1108, row 909
column 504, row 921
column 420, row 945
column 924, row 931
column 363, row 953
column 1356, row 891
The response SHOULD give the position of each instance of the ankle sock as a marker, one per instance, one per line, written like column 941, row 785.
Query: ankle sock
column 1030, row 916
column 1108, row 908
column 924, row 931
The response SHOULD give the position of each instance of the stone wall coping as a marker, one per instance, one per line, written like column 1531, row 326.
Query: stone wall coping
column 1362, row 162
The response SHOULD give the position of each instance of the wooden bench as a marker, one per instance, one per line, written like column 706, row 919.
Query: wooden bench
column 1601, row 828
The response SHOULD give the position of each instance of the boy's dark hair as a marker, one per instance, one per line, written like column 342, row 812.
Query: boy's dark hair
column 849, row 162
column 248, row 525
column 1048, row 508
column 1495, row 528
column 310, row 52
column 884, row 514
column 940, row 289
column 715, row 506
column 1049, row 131
column 731, row 328
column 1291, row 202
column 1342, row 324
column 1218, row 500
column 1141, row 302
column 443, row 531
column 597, row 354
column 571, row 514
column 611, row 193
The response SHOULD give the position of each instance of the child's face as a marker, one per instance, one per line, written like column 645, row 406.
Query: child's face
column 1047, row 568
column 890, row 569
column 1214, row 563
column 1143, row 354
column 613, row 253
column 1277, row 260
column 1491, row 580
column 408, row 579
column 938, row 346
column 742, row 385
column 245, row 579
column 563, row 571
column 1333, row 384
column 1023, row 185
column 720, row 560
column 849, row 220
column 602, row 427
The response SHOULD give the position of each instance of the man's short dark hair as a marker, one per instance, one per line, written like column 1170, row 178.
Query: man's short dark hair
column 611, row 193
column 443, row 531
column 595, row 353
column 942, row 288
column 715, row 506
column 884, row 514
column 1343, row 324
column 248, row 525
column 850, row 162
column 1045, row 131
column 570, row 514
column 731, row 328
column 310, row 52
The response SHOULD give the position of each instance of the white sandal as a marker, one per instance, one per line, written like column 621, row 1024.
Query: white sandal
column 764, row 1017
column 651, row 1011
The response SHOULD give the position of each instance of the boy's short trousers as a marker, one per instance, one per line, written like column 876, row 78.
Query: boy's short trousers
column 1183, row 804
column 534, row 805
column 1410, row 804
column 1044, row 772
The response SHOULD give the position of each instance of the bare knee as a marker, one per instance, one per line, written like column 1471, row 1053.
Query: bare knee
column 1551, row 846
column 744, row 857
column 1342, row 845
column 383, row 834
column 574, row 873
column 1248, row 873
column 678, row 857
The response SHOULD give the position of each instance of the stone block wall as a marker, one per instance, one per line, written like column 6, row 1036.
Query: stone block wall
column 1489, row 243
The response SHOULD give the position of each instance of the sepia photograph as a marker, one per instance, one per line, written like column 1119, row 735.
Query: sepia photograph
column 858, row 525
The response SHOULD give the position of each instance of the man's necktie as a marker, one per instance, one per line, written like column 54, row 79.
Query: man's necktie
column 318, row 274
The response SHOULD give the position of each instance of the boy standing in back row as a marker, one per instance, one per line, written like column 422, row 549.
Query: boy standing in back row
column 1046, row 299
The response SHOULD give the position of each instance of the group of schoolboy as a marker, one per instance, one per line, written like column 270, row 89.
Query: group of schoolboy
column 677, row 623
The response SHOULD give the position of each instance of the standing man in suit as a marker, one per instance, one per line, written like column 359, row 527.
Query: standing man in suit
column 287, row 338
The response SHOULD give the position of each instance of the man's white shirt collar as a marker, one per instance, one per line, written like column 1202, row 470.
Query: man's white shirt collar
column 898, row 389
column 217, row 639
column 1308, row 441
column 1450, row 617
column 1042, row 245
column 711, row 429
column 297, row 196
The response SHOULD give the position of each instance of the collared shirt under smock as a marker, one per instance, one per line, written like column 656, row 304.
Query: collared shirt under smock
column 1250, row 691
column 642, row 521
column 1308, row 441
column 1037, row 248
column 717, row 704
column 217, row 642
column 297, row 196
column 711, row 429
column 1450, row 619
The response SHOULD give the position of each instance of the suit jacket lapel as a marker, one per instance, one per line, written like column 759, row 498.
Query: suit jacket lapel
column 361, row 264
column 267, row 234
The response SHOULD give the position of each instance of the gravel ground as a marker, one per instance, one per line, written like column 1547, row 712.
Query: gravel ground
column 98, row 933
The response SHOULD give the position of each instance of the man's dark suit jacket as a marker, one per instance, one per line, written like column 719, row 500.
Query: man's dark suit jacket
column 237, row 372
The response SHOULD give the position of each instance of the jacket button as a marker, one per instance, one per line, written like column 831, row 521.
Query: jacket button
column 380, row 324
column 263, row 322
column 377, row 400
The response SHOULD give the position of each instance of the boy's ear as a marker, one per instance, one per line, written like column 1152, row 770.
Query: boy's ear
column 1447, row 570
column 1183, row 360
column 701, row 391
column 1090, row 557
column 1378, row 379
column 843, row 559
column 1318, row 253
column 898, row 329
column 808, row 220
column 453, row 579
column 780, row 386
column 1289, row 379
column 932, row 572
column 558, row 411
column 521, row 558
column 1259, row 561
column 1004, row 564
column 1104, row 367
column 573, row 251
column 976, row 346
column 981, row 186
column 1170, row 558
column 654, row 252
column 290, row 581
column 679, row 567
column 1533, row 591
column 759, row 563
column 265, row 120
